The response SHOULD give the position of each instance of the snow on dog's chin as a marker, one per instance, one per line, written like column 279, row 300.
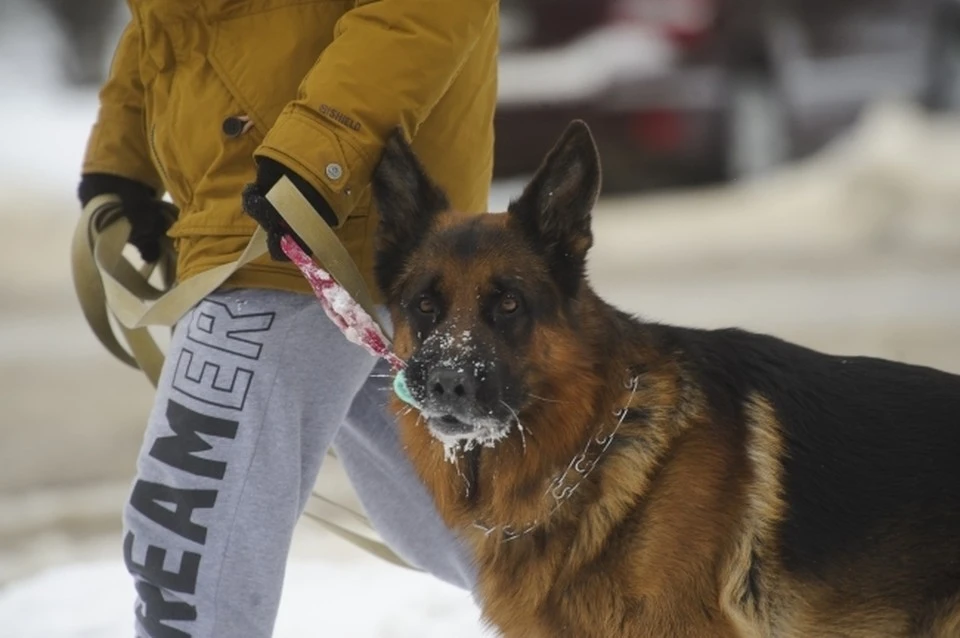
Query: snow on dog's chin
column 458, row 437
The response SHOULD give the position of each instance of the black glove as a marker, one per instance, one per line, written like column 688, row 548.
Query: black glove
column 149, row 217
column 256, row 205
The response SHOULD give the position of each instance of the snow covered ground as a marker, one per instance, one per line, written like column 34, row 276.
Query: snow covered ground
column 359, row 599
column 856, row 252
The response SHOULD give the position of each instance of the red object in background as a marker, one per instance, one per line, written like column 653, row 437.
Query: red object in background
column 657, row 130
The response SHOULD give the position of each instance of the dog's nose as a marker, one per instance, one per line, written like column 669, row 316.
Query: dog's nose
column 449, row 387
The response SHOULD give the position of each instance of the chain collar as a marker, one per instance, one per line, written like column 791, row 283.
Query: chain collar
column 563, row 486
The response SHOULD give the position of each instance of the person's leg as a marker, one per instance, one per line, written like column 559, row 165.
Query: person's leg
column 255, row 386
column 393, row 497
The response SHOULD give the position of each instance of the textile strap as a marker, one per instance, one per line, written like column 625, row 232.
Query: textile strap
column 109, row 287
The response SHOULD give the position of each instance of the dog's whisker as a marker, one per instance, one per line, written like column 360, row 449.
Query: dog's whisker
column 516, row 417
column 545, row 399
column 466, row 482
column 523, row 437
column 528, row 432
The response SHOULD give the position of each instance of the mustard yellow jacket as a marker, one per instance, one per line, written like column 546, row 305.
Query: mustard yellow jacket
column 322, row 82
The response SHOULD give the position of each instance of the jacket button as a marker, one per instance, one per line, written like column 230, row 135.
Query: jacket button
column 233, row 126
column 334, row 171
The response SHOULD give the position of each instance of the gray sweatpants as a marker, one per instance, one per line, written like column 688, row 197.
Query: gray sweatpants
column 257, row 385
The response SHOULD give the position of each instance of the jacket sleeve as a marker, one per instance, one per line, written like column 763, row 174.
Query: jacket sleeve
column 389, row 64
column 118, row 141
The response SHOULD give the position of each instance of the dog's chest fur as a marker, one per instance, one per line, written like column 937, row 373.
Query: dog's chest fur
column 640, row 553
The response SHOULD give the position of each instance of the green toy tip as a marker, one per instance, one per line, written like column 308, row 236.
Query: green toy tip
column 401, row 389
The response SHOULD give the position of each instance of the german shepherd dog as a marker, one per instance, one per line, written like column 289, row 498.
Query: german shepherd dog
column 617, row 477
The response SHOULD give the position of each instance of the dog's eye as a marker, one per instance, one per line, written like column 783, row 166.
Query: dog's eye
column 426, row 305
column 509, row 304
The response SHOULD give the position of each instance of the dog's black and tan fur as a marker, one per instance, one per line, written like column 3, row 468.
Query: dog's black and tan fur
column 751, row 487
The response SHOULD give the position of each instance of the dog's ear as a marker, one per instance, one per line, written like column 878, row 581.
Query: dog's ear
column 407, row 200
column 554, row 209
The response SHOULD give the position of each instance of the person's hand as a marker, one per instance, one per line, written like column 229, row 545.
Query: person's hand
column 149, row 216
column 256, row 205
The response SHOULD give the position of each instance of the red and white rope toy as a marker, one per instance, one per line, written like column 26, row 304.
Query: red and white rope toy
column 354, row 322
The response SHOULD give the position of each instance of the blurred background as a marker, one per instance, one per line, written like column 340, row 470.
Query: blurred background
column 788, row 166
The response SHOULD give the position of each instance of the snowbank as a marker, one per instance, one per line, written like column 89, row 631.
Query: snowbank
column 891, row 183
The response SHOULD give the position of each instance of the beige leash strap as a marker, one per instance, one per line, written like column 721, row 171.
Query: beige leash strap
column 107, row 285
column 101, row 227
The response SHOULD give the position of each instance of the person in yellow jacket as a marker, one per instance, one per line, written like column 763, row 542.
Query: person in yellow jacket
column 209, row 102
